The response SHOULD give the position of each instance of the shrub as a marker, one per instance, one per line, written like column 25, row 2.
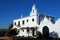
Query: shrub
column 38, row 34
column 11, row 32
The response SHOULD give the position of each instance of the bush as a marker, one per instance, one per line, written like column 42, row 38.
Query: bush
column 53, row 35
column 12, row 32
column 10, row 26
column 38, row 34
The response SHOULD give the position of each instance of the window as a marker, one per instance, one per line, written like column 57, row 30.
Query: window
column 18, row 23
column 23, row 22
column 15, row 23
column 23, row 30
column 33, row 10
column 27, row 20
column 32, row 19
column 27, row 30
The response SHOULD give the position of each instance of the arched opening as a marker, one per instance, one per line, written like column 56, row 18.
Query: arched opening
column 45, row 31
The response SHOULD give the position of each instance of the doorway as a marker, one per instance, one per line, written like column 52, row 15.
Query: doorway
column 45, row 31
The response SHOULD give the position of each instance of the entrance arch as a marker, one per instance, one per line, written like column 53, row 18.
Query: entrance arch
column 45, row 31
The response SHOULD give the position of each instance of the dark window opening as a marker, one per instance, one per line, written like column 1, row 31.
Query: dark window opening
column 23, row 30
column 27, row 20
column 23, row 22
column 15, row 23
column 33, row 10
column 32, row 19
column 27, row 30
column 18, row 23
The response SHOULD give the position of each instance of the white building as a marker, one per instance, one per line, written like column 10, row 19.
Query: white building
column 35, row 22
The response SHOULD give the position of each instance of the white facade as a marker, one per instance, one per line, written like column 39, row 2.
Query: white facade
column 35, row 21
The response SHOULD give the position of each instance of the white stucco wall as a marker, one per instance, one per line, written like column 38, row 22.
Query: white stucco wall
column 48, row 23
column 57, row 27
column 33, row 15
column 30, row 23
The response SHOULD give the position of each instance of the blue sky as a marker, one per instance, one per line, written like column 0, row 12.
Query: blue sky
column 12, row 9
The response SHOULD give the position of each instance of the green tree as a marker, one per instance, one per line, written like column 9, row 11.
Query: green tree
column 10, row 26
column 38, row 34
column 12, row 32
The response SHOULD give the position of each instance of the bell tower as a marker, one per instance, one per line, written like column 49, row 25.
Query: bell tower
column 33, row 11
